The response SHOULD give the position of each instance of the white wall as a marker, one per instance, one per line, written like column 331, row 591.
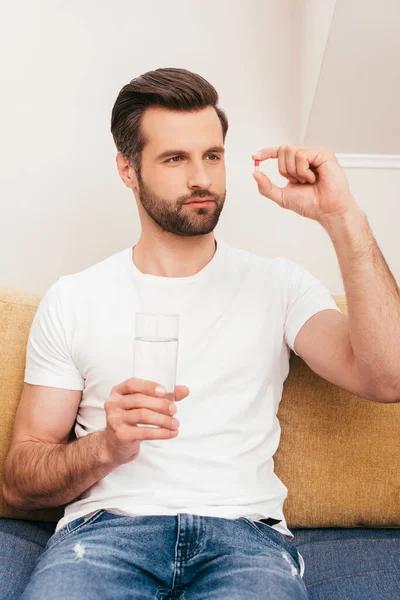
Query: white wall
column 315, row 27
column 356, row 101
column 62, row 203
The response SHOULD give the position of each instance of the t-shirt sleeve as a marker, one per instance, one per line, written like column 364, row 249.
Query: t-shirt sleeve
column 305, row 296
column 48, row 359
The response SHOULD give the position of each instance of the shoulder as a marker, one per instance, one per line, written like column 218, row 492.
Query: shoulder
column 93, row 279
column 277, row 266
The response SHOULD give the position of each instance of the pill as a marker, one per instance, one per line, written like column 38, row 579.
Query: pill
column 256, row 165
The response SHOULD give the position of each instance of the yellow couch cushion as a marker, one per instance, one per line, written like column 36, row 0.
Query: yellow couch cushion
column 338, row 456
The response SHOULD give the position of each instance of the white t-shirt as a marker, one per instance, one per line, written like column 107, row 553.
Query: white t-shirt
column 239, row 319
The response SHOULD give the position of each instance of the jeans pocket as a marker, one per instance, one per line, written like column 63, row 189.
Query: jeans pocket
column 72, row 526
column 274, row 538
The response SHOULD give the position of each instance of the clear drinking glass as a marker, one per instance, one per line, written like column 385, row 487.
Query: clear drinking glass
column 156, row 349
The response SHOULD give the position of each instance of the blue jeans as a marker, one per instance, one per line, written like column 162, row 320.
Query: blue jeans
column 161, row 557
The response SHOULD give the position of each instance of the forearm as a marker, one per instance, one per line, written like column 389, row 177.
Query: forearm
column 40, row 474
column 373, row 300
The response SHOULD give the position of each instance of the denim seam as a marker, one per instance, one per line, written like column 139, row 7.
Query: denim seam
column 69, row 531
column 200, row 544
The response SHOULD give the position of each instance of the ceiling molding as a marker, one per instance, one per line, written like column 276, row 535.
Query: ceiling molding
column 369, row 161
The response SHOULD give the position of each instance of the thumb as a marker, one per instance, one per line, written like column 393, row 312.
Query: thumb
column 181, row 392
column 267, row 188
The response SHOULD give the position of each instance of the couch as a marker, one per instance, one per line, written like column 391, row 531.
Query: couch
column 339, row 457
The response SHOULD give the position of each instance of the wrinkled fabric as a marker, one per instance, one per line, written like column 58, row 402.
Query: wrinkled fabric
column 187, row 557
column 239, row 317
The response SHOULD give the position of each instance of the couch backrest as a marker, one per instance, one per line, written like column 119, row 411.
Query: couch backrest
column 338, row 455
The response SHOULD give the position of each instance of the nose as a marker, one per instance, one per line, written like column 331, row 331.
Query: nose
column 199, row 178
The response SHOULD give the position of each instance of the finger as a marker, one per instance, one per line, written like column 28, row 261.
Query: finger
column 265, row 153
column 149, row 417
column 135, row 401
column 181, row 392
column 139, row 386
column 291, row 165
column 303, row 168
column 281, row 162
column 268, row 189
column 155, row 433
column 132, row 400
column 279, row 153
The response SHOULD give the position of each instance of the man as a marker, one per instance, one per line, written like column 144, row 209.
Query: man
column 190, row 508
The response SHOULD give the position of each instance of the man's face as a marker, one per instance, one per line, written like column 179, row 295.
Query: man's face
column 182, row 161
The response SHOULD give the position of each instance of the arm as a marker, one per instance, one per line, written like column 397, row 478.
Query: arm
column 368, row 343
column 42, row 469
column 324, row 344
column 364, row 347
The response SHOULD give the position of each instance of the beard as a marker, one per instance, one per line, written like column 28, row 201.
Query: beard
column 175, row 218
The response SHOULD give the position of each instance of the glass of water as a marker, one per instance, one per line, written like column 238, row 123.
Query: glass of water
column 156, row 349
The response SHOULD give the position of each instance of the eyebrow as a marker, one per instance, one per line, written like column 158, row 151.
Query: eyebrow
column 168, row 153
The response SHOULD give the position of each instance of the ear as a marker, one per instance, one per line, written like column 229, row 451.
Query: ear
column 126, row 172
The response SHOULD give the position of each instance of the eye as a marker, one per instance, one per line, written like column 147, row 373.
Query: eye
column 173, row 160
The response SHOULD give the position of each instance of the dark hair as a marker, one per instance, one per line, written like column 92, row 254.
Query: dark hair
column 176, row 89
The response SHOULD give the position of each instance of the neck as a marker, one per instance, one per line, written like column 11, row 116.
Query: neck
column 167, row 255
